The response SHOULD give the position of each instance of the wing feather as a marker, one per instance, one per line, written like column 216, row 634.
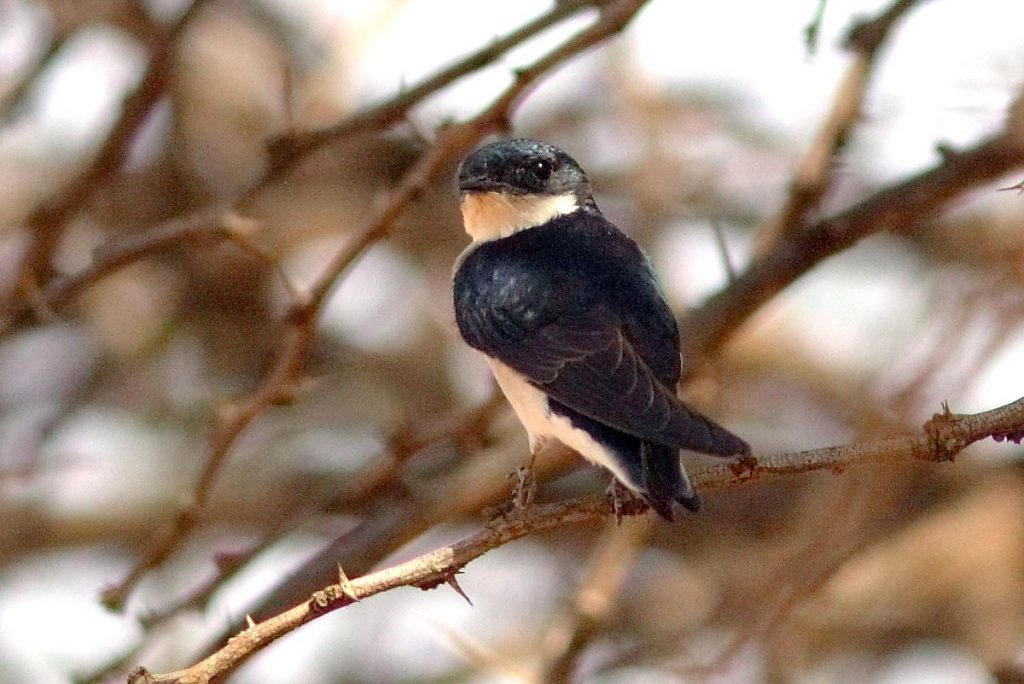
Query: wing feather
column 585, row 349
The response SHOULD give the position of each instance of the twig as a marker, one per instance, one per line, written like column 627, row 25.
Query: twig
column 813, row 176
column 897, row 208
column 12, row 100
column 287, row 150
column 723, row 250
column 285, row 153
column 382, row 470
column 939, row 440
column 46, row 223
column 595, row 601
column 365, row 490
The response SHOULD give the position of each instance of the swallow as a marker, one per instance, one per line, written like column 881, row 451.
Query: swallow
column 569, row 313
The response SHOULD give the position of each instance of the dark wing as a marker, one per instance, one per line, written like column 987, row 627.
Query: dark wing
column 550, row 324
column 589, row 364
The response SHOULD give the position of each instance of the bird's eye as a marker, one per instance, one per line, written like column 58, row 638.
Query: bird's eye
column 542, row 169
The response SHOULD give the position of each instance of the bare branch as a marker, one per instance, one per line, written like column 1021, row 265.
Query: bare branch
column 285, row 153
column 46, row 223
column 939, row 440
column 287, row 150
column 897, row 208
column 813, row 176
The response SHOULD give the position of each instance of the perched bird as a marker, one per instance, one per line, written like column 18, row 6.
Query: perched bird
column 568, row 311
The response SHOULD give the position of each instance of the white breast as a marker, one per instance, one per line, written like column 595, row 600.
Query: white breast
column 531, row 406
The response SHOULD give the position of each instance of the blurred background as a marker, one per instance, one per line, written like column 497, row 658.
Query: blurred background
column 691, row 124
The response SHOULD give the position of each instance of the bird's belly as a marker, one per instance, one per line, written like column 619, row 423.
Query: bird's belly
column 531, row 406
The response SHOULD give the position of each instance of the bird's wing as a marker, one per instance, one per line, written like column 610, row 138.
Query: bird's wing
column 578, row 350
column 590, row 365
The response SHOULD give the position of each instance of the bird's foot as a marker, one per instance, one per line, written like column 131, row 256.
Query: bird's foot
column 623, row 500
column 525, row 489
column 521, row 499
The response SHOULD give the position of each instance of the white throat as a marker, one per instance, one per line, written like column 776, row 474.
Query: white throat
column 493, row 215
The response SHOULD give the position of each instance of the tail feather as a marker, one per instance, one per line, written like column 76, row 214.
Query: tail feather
column 708, row 437
column 665, row 480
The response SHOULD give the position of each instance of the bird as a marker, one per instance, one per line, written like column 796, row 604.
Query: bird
column 570, row 315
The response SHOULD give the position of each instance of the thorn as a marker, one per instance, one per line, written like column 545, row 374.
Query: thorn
column 1019, row 187
column 250, row 623
column 346, row 585
column 454, row 584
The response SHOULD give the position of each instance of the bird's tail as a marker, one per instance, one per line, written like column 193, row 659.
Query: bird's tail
column 665, row 480
column 708, row 437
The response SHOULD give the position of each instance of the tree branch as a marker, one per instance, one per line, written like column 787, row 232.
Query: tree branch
column 813, row 176
column 939, row 440
column 46, row 223
column 285, row 153
column 287, row 150
column 897, row 208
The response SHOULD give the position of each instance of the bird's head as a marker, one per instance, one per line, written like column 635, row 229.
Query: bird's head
column 511, row 185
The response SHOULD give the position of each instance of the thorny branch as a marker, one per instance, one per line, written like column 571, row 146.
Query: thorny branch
column 939, row 440
column 793, row 255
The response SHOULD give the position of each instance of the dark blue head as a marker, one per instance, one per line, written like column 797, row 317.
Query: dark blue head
column 523, row 167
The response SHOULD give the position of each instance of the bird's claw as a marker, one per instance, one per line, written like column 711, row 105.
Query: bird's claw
column 525, row 489
column 621, row 498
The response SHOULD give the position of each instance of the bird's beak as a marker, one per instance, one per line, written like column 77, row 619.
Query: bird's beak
column 479, row 183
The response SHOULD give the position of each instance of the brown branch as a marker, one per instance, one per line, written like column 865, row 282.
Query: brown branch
column 207, row 225
column 939, row 440
column 364, row 489
column 285, row 153
column 897, row 208
column 14, row 98
column 595, row 601
column 300, row 327
column 813, row 176
column 287, row 150
column 47, row 221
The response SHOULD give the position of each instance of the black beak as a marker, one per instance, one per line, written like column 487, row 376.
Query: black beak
column 479, row 183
